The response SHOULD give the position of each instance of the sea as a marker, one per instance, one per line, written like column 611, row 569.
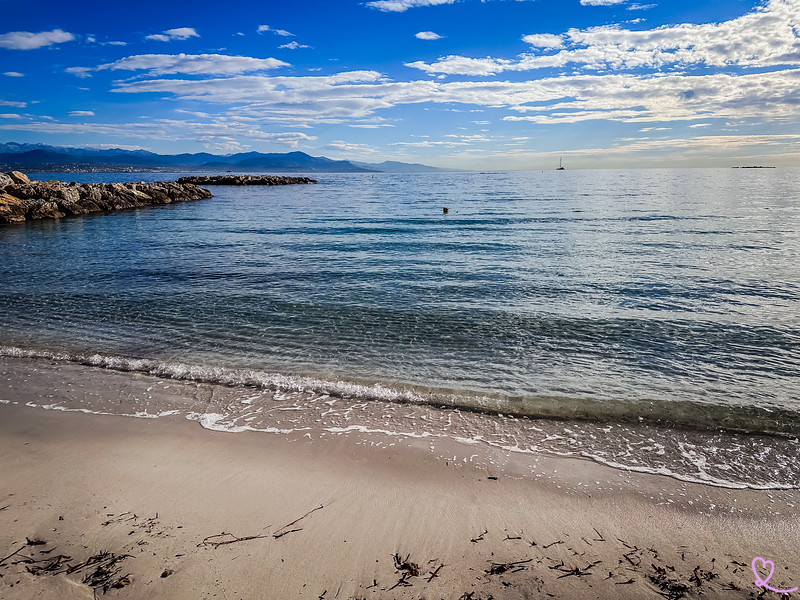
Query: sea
column 647, row 319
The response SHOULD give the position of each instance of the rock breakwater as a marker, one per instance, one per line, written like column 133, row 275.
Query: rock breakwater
column 245, row 180
column 22, row 199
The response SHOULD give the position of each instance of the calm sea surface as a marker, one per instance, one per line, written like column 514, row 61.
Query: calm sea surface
column 673, row 294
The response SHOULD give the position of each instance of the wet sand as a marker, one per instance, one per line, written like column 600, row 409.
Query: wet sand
column 310, row 516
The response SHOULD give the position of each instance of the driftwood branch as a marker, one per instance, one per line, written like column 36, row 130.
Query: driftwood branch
column 277, row 534
column 209, row 541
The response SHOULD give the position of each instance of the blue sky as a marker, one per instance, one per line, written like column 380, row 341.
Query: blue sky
column 456, row 83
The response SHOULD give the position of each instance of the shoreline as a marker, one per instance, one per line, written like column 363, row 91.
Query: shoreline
column 503, row 524
column 235, row 400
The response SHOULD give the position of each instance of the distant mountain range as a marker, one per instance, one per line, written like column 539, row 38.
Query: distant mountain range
column 40, row 157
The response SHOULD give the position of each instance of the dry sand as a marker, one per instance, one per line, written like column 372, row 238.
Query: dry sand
column 154, row 492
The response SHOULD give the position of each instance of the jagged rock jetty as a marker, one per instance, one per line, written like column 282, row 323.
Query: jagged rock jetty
column 245, row 180
column 22, row 199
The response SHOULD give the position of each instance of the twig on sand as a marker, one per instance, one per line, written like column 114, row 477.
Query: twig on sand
column 53, row 563
column 216, row 544
column 577, row 572
column 434, row 573
column 276, row 535
column 500, row 568
column 283, row 533
column 402, row 581
column 479, row 538
column 28, row 542
column 13, row 553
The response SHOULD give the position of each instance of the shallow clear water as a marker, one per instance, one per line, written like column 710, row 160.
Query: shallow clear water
column 661, row 286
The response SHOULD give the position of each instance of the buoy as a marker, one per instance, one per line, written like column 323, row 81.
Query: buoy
column 445, row 210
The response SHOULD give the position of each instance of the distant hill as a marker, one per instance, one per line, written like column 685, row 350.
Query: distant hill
column 40, row 157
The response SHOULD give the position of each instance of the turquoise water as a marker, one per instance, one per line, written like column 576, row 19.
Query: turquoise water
column 619, row 294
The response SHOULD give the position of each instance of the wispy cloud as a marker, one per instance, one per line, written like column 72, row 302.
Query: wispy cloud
column 81, row 113
column 13, row 104
column 25, row 40
column 544, row 40
column 553, row 100
column 293, row 46
column 427, row 35
column 350, row 147
column 282, row 32
column 210, row 133
column 79, row 71
column 404, row 5
column 601, row 2
column 13, row 74
column 179, row 33
column 189, row 64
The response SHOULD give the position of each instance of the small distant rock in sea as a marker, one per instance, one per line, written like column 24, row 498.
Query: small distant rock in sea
column 22, row 199
column 245, row 180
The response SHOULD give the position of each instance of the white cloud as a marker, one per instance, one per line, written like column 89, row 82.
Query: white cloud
column 763, row 38
column 216, row 131
column 190, row 64
column 293, row 46
column 13, row 74
column 461, row 65
column 566, row 99
column 10, row 116
column 430, row 144
column 179, row 33
column 25, row 40
column 79, row 71
column 13, row 104
column 544, row 40
column 427, row 35
column 117, row 43
column 601, row 2
column 351, row 148
column 81, row 113
column 282, row 32
column 403, row 5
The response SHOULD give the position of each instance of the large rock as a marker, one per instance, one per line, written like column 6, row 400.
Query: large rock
column 18, row 177
column 24, row 199
column 46, row 210
column 11, row 209
column 5, row 181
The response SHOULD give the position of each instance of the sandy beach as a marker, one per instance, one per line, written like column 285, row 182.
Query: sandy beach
column 162, row 508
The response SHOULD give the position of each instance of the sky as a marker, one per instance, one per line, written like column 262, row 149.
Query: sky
column 471, row 84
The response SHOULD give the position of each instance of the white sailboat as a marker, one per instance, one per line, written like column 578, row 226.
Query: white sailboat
column 560, row 166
